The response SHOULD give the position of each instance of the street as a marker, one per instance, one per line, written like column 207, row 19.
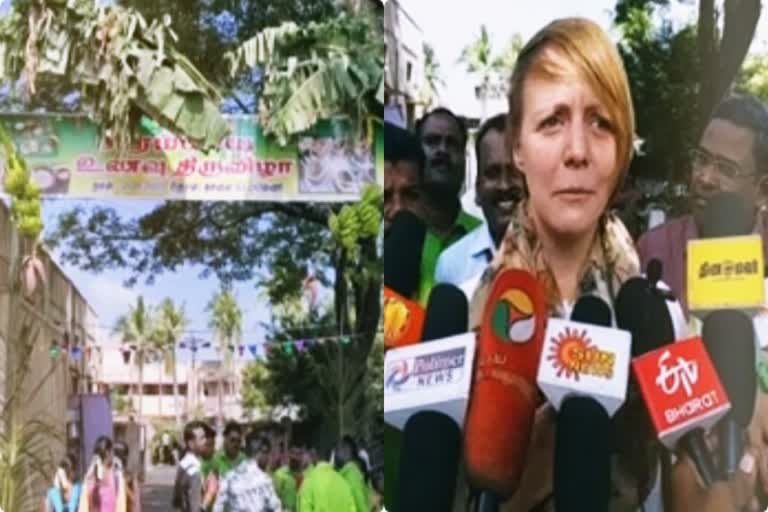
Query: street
column 156, row 491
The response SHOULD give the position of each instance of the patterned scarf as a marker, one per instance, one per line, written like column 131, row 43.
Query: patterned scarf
column 611, row 261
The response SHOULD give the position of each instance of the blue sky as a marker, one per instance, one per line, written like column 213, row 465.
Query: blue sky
column 110, row 299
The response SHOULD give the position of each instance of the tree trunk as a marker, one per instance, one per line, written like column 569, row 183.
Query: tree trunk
column 176, row 389
column 140, row 354
column 720, row 60
column 160, row 373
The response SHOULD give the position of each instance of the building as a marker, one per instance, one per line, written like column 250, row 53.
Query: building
column 404, row 64
column 45, row 343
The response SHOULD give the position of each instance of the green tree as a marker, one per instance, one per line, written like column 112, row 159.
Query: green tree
column 491, row 68
column 432, row 76
column 753, row 77
column 135, row 329
column 226, row 320
column 257, row 394
column 169, row 326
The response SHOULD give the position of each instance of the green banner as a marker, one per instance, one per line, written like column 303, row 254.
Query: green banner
column 67, row 158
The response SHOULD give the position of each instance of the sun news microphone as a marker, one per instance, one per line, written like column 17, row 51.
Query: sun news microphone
column 438, row 376
column 403, row 317
column 730, row 340
column 504, row 397
column 725, row 267
column 584, row 430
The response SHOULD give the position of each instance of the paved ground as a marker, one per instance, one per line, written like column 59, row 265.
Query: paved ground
column 156, row 491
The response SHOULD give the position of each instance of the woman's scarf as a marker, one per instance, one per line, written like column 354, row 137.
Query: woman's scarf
column 612, row 260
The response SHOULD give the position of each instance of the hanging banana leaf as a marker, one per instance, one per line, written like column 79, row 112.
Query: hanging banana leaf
column 122, row 65
column 315, row 72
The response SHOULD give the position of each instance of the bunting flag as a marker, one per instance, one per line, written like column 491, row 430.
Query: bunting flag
column 289, row 347
column 75, row 352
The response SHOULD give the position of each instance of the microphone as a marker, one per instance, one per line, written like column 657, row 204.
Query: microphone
column 429, row 462
column 584, row 430
column 504, row 397
column 439, row 377
column 684, row 398
column 730, row 339
column 725, row 268
column 403, row 317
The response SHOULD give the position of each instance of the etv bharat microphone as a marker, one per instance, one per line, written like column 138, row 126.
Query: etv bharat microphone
column 583, row 372
column 426, row 389
column 403, row 318
column 504, row 397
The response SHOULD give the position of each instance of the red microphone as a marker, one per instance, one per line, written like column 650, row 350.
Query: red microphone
column 504, row 395
column 684, row 397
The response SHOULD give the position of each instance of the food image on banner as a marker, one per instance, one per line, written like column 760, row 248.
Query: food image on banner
column 67, row 157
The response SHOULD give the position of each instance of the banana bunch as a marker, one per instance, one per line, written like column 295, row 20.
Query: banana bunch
column 25, row 195
column 360, row 221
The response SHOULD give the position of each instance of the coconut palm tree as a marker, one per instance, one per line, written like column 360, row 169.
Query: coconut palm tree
column 432, row 78
column 492, row 68
column 169, row 326
column 135, row 330
column 226, row 321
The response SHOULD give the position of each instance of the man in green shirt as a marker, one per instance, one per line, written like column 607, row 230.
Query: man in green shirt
column 285, row 481
column 443, row 138
column 231, row 455
column 348, row 466
column 325, row 490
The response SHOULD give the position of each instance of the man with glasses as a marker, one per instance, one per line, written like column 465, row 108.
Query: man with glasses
column 732, row 156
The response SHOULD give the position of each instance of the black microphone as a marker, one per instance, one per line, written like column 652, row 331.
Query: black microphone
column 727, row 214
column 729, row 336
column 431, row 442
column 402, row 247
column 447, row 313
column 583, row 433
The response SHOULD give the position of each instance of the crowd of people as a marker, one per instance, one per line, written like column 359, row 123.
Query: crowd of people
column 254, row 471
column 107, row 485
column 549, row 173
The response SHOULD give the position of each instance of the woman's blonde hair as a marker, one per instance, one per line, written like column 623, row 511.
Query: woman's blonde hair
column 586, row 50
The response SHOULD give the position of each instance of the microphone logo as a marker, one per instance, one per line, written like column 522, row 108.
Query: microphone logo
column 397, row 375
column 513, row 319
column 683, row 373
column 572, row 353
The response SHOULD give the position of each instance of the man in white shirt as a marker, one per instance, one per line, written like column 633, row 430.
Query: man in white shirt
column 498, row 189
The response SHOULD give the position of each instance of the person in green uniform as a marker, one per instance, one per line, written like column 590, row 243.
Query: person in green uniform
column 349, row 466
column 443, row 137
column 285, row 482
column 325, row 490
column 228, row 458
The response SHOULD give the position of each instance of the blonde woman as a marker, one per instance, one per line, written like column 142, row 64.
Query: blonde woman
column 570, row 131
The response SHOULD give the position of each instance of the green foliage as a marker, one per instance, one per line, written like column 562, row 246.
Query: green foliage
column 662, row 69
column 493, row 68
column 258, row 393
column 21, row 463
column 226, row 321
column 313, row 72
column 753, row 77
column 24, row 192
column 121, row 65
column 121, row 403
column 168, row 326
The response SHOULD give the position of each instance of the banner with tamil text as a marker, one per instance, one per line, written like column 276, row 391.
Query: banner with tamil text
column 66, row 159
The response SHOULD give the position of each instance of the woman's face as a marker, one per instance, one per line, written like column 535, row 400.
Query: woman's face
column 567, row 150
